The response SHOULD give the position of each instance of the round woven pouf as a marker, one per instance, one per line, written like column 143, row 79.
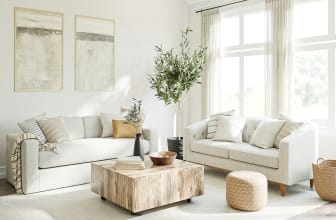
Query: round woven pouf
column 246, row 190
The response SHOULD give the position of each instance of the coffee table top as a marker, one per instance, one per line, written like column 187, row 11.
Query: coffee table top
column 149, row 170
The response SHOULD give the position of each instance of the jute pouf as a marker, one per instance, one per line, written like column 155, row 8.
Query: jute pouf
column 246, row 190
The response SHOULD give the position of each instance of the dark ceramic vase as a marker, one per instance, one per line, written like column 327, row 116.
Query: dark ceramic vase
column 138, row 148
column 175, row 144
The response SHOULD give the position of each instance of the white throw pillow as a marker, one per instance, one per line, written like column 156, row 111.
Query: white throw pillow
column 230, row 128
column 266, row 132
column 106, row 120
column 212, row 124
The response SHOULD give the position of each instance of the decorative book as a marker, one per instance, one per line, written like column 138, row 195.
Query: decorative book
column 129, row 163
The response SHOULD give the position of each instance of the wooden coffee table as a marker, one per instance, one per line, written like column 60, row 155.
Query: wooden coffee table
column 155, row 186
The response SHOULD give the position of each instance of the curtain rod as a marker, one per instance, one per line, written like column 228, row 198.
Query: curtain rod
column 232, row 3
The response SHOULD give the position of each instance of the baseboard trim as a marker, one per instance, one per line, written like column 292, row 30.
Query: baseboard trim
column 3, row 172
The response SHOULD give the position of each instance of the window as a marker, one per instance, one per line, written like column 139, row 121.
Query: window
column 314, row 56
column 241, row 83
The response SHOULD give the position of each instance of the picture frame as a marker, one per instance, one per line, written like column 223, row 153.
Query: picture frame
column 38, row 50
column 94, row 54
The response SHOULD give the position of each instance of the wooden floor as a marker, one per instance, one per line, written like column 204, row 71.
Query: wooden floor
column 6, row 188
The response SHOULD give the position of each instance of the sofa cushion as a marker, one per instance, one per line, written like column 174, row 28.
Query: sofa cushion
column 249, row 128
column 30, row 126
column 255, row 155
column 212, row 123
column 92, row 126
column 214, row 148
column 266, row 132
column 230, row 128
column 106, row 120
column 87, row 150
column 74, row 127
column 54, row 130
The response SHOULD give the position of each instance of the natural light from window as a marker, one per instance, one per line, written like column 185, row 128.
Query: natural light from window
column 254, row 28
column 310, row 18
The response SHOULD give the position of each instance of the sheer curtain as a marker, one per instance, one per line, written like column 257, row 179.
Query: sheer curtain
column 211, row 40
column 279, row 53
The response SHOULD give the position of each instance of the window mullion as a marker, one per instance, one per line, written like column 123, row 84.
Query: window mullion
column 241, row 86
column 331, row 87
column 331, row 18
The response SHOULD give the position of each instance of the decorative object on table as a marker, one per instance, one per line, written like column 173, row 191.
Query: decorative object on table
column 130, row 163
column 324, row 172
column 38, row 50
column 94, row 54
column 136, row 117
column 246, row 190
column 174, row 76
column 162, row 157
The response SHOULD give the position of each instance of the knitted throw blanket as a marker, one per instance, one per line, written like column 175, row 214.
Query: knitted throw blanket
column 16, row 157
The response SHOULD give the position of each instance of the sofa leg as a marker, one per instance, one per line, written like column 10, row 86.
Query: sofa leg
column 282, row 189
column 311, row 183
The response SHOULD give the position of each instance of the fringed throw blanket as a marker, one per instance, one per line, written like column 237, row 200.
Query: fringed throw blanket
column 16, row 156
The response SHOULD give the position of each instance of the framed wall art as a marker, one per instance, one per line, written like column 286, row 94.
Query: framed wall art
column 94, row 54
column 38, row 50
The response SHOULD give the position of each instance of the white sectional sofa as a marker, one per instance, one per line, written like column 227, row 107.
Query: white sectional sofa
column 45, row 170
column 288, row 165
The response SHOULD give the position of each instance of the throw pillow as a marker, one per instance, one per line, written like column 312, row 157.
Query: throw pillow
column 54, row 130
column 212, row 124
column 286, row 130
column 266, row 132
column 106, row 120
column 122, row 129
column 230, row 128
column 30, row 126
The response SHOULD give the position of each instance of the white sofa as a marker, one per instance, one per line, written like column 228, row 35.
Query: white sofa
column 45, row 170
column 288, row 165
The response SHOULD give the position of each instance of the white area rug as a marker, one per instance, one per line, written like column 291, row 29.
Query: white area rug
column 77, row 203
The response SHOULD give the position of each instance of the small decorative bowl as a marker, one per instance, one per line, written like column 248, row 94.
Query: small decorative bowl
column 162, row 157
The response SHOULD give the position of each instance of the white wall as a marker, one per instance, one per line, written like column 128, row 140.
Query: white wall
column 327, row 137
column 140, row 25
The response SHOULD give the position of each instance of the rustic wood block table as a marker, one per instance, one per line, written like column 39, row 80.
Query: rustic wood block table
column 155, row 186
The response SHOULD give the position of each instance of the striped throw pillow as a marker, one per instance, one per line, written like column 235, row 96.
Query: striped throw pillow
column 30, row 126
column 213, row 122
column 54, row 130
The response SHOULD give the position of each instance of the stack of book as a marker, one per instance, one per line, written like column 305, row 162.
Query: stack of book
column 130, row 163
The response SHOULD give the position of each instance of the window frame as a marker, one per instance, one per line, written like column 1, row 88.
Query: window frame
column 322, row 42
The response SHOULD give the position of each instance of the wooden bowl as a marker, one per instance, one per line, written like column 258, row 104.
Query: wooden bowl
column 162, row 157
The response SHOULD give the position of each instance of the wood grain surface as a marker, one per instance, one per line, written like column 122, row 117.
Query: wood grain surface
column 155, row 186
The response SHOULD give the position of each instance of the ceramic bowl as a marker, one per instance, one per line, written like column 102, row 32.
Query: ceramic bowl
column 162, row 157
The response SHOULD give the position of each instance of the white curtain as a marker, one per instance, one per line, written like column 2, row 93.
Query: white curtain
column 279, row 55
column 211, row 40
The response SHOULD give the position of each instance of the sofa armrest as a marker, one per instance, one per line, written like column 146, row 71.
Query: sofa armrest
column 297, row 153
column 29, row 163
column 152, row 137
column 194, row 132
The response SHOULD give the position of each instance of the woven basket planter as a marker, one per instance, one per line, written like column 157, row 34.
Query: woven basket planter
column 324, row 172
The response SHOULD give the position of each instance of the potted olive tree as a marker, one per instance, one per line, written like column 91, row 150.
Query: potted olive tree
column 173, row 77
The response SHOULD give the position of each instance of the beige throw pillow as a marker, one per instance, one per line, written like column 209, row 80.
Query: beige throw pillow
column 286, row 130
column 54, row 130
